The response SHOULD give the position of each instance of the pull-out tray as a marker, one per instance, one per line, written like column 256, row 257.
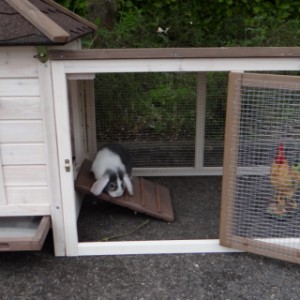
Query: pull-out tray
column 149, row 198
column 23, row 233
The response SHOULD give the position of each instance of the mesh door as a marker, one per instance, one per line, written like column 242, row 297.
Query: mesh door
column 261, row 199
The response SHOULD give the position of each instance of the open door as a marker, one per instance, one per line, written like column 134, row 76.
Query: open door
column 261, row 182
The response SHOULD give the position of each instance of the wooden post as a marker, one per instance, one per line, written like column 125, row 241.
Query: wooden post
column 230, row 156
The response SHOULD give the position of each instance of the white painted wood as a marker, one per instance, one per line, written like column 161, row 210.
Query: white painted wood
column 18, row 62
column 205, row 171
column 78, row 122
column 3, row 199
column 152, row 247
column 90, row 118
column 14, row 87
column 20, row 108
column 181, row 65
column 60, row 69
column 54, row 191
column 25, row 175
column 21, row 131
column 23, row 154
column 177, row 171
column 25, row 210
column 78, row 131
column 28, row 195
column 65, row 153
column 200, row 121
column 81, row 76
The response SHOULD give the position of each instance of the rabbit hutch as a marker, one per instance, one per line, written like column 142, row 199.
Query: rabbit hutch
column 50, row 120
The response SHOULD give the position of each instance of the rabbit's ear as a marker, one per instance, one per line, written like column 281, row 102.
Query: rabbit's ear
column 99, row 185
column 128, row 184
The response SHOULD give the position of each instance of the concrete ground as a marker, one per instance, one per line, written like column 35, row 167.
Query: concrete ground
column 215, row 276
column 41, row 275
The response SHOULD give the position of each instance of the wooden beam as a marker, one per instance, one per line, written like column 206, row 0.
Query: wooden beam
column 155, row 53
column 38, row 19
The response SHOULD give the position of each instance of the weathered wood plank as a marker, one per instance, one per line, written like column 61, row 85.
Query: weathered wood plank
column 22, row 154
column 3, row 199
column 25, row 176
column 20, row 108
column 18, row 62
column 152, row 53
column 21, row 131
column 181, row 65
column 19, row 87
column 27, row 195
column 53, row 174
column 25, row 210
column 77, row 118
column 64, row 150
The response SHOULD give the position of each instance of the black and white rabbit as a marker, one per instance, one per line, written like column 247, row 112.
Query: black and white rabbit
column 112, row 169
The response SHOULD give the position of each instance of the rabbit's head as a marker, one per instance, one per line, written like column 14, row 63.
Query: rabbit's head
column 113, row 183
column 112, row 170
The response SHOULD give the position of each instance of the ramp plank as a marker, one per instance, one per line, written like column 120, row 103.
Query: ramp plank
column 149, row 198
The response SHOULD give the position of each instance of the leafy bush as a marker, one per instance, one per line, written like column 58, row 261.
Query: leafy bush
column 173, row 23
column 160, row 104
column 79, row 7
column 203, row 23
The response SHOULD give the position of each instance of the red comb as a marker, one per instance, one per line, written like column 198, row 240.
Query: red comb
column 280, row 157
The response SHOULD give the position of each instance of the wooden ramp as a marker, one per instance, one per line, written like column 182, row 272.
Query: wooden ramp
column 149, row 198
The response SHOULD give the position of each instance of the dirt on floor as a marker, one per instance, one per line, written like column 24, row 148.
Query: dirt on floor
column 196, row 205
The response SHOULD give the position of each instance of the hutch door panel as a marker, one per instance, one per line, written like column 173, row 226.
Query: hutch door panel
column 261, row 182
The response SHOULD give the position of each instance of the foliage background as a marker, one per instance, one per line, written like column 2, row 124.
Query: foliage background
column 177, row 23
column 191, row 23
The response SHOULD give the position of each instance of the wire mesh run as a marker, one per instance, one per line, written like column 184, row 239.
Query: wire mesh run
column 157, row 117
column 262, row 196
column 215, row 112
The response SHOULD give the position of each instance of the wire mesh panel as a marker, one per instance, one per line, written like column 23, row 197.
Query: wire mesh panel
column 260, row 198
column 157, row 116
column 152, row 114
column 215, row 112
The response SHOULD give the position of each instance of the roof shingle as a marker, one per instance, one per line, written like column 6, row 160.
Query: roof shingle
column 16, row 30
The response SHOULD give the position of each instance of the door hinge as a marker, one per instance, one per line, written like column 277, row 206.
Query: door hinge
column 42, row 54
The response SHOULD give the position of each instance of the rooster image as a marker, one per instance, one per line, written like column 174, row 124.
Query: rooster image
column 285, row 181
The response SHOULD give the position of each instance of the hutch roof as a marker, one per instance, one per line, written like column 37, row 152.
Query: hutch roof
column 39, row 22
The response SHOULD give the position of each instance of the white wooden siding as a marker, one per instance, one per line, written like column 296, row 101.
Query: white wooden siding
column 23, row 154
column 32, row 209
column 24, row 165
column 25, row 195
column 20, row 108
column 21, row 131
column 3, row 199
column 19, row 87
column 25, row 175
column 18, row 62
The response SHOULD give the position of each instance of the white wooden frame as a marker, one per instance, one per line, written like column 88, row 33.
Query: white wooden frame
column 62, row 68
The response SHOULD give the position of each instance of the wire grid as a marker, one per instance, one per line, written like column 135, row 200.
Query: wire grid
column 154, row 116
column 215, row 115
column 266, row 206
